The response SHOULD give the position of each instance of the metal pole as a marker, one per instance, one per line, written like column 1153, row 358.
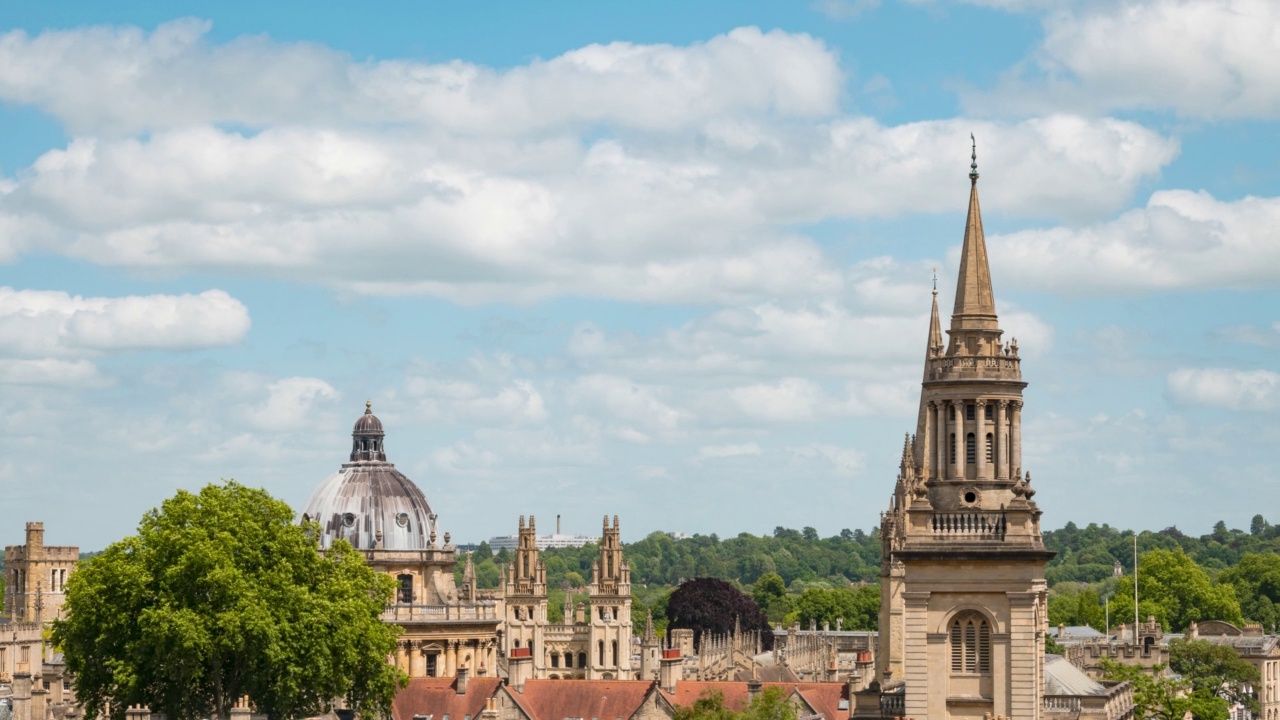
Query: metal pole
column 1135, row 588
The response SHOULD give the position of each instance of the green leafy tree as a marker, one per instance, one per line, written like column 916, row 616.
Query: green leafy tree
column 218, row 596
column 858, row 609
column 770, row 704
column 768, row 588
column 1177, row 591
column 1214, row 669
column 1157, row 695
column 1256, row 579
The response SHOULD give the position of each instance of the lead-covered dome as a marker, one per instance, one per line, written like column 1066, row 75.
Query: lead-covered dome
column 368, row 496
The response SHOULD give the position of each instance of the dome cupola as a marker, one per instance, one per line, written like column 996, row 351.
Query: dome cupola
column 368, row 502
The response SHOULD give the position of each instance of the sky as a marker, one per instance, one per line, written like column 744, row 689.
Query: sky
column 665, row 260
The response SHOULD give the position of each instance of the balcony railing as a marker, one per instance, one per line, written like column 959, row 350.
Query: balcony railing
column 404, row 612
column 975, row 525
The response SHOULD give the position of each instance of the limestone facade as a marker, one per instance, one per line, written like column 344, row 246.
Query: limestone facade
column 32, row 675
column 598, row 648
column 963, row 608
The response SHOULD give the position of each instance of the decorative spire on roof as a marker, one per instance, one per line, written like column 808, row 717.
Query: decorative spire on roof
column 973, row 165
column 975, row 307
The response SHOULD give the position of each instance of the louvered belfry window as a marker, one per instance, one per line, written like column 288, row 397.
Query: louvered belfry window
column 970, row 644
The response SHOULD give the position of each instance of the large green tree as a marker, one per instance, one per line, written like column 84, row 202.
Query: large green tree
column 858, row 608
column 1177, row 591
column 1218, row 670
column 221, row 595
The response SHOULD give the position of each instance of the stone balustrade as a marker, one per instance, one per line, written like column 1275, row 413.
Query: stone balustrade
column 976, row 525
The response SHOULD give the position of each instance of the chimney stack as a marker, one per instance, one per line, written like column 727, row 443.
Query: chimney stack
column 670, row 669
column 519, row 667
column 557, row 524
column 462, row 681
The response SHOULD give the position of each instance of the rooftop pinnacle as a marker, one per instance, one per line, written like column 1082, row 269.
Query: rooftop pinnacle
column 975, row 303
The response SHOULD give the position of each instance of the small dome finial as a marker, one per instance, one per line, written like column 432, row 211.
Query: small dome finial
column 973, row 165
column 935, row 281
column 368, row 407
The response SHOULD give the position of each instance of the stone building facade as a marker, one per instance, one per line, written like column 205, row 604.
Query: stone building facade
column 598, row 648
column 32, row 675
column 383, row 514
column 963, row 609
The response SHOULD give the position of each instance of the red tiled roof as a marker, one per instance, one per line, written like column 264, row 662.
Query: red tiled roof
column 823, row 697
column 602, row 699
column 439, row 697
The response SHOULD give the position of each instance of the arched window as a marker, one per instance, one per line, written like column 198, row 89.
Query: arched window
column 970, row 449
column 517, row 641
column 953, row 448
column 991, row 445
column 601, row 653
column 970, row 644
column 582, row 659
column 615, row 652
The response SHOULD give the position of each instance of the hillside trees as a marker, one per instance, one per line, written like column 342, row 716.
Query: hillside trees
column 220, row 595
column 855, row 608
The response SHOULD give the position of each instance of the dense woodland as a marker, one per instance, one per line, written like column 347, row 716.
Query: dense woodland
column 798, row 576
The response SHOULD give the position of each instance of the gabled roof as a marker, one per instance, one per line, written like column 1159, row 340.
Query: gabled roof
column 587, row 699
column 439, row 697
column 821, row 697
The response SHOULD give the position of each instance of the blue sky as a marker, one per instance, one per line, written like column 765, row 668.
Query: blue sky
column 669, row 261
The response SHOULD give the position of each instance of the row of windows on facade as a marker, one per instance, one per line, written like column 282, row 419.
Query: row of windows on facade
column 970, row 644
column 582, row 657
column 57, row 580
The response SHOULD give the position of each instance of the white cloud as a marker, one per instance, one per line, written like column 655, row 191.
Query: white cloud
column 291, row 403
column 789, row 399
column 480, row 185
column 121, row 79
column 844, row 9
column 846, row 462
column 1201, row 58
column 36, row 323
column 1180, row 240
column 1256, row 390
column 1268, row 336
column 49, row 371
column 718, row 452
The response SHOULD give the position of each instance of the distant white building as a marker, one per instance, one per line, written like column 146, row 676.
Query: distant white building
column 510, row 542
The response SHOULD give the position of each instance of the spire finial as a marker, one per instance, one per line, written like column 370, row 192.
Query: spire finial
column 973, row 165
column 935, row 281
column 368, row 407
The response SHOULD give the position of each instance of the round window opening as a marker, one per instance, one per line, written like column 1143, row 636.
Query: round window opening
column 349, row 519
column 971, row 497
column 402, row 519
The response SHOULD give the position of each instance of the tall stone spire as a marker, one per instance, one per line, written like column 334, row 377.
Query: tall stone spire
column 975, row 307
column 932, row 350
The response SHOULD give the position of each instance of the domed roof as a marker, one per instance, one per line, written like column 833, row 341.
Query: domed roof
column 368, row 497
column 368, row 423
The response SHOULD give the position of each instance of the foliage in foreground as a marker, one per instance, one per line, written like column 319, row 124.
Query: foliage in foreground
column 770, row 704
column 218, row 596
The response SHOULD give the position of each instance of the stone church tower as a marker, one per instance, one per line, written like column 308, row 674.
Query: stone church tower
column 525, row 593
column 610, row 592
column 963, row 596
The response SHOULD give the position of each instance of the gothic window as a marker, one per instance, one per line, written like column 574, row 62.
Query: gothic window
column 970, row 449
column 582, row 659
column 405, row 595
column 615, row 652
column 601, row 653
column 990, row 448
column 968, row 412
column 970, row 644
column 953, row 448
